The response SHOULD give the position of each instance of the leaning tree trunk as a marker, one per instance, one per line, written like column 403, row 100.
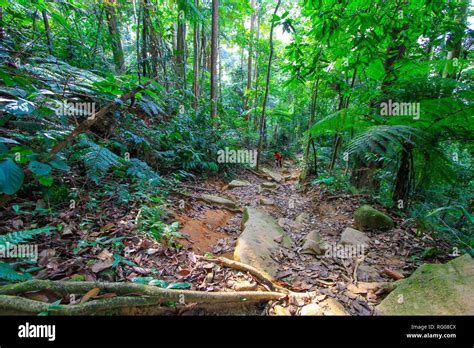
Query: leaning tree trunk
column 115, row 37
column 214, row 37
column 47, row 29
column 267, row 86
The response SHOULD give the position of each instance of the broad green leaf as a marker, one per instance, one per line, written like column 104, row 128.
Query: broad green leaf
column 11, row 177
column 38, row 168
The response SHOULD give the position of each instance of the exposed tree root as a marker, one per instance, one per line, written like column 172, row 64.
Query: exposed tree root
column 129, row 296
column 261, row 277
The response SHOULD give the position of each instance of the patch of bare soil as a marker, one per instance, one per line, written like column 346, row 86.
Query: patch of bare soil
column 203, row 235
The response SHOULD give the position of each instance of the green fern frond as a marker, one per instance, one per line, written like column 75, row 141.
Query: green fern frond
column 340, row 121
column 18, row 237
column 8, row 273
column 141, row 170
column 97, row 159
column 384, row 139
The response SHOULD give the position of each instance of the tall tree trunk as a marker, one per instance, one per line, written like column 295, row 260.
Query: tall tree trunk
column 181, row 49
column 138, row 43
column 115, row 37
column 196, row 61
column 145, row 40
column 267, row 86
column 47, row 29
column 256, row 71
column 214, row 48
column 153, row 43
column 249, row 61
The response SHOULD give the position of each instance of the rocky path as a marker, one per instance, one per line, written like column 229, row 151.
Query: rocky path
column 298, row 238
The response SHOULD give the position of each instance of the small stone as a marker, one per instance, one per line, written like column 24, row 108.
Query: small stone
column 209, row 277
column 239, row 183
column 212, row 199
column 268, row 185
column 279, row 310
column 333, row 307
column 311, row 309
column 313, row 244
column 352, row 236
column 266, row 201
column 367, row 273
column 302, row 218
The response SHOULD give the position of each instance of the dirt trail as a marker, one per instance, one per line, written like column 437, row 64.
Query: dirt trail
column 209, row 229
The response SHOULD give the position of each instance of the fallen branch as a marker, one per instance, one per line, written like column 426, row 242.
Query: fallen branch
column 88, row 122
column 129, row 295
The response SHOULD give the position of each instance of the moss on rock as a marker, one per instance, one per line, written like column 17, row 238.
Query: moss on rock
column 368, row 218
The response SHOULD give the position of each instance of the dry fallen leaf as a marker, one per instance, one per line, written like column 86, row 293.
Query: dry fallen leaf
column 393, row 274
column 101, row 265
column 105, row 255
column 91, row 293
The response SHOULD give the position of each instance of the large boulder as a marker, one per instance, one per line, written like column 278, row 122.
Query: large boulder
column 368, row 218
column 216, row 200
column 274, row 175
column 434, row 289
column 257, row 241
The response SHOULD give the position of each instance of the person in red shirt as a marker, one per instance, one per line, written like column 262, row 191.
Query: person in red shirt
column 278, row 159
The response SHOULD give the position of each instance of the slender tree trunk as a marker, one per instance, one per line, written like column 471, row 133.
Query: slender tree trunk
column 214, row 48
column 97, row 36
column 310, row 124
column 196, row 61
column 181, row 49
column 267, row 86
column 47, row 29
column 115, row 37
column 256, row 71
column 220, row 69
column 249, row 61
column 138, row 44
column 145, row 40
column 404, row 178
